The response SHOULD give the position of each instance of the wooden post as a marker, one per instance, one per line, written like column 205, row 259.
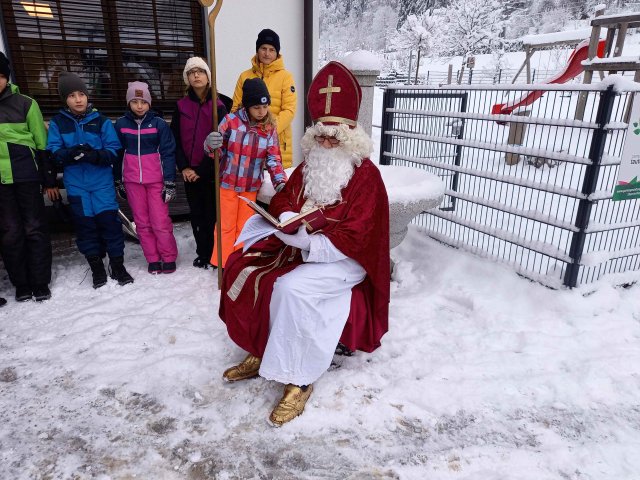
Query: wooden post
column 617, row 51
column 214, row 114
column 524, row 64
column 460, row 74
column 588, row 74
column 517, row 131
column 608, row 43
column 630, row 100
column 450, row 74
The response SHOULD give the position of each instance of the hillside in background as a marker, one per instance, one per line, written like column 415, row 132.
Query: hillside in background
column 449, row 31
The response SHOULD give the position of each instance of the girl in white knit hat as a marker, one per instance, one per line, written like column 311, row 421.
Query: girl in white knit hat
column 191, row 123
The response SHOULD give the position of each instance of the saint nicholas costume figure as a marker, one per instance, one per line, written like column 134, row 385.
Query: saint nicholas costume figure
column 290, row 299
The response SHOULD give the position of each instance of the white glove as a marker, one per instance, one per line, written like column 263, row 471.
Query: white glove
column 284, row 216
column 212, row 142
column 300, row 239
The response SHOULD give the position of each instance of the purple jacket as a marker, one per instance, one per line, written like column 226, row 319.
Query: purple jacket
column 191, row 123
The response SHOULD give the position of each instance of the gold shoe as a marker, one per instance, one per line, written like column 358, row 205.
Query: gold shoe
column 248, row 368
column 291, row 405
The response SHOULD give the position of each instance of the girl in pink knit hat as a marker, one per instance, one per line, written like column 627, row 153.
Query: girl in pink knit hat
column 145, row 175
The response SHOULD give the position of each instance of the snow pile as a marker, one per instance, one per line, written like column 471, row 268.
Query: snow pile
column 362, row 60
column 482, row 375
column 409, row 184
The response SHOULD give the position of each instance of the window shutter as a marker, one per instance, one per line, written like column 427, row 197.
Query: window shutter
column 106, row 42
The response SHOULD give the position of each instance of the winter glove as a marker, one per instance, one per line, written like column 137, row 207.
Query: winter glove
column 168, row 191
column 212, row 142
column 279, row 187
column 120, row 190
column 284, row 216
column 64, row 157
column 47, row 169
column 76, row 154
column 84, row 153
column 300, row 239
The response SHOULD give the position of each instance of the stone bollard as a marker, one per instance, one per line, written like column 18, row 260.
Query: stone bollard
column 366, row 67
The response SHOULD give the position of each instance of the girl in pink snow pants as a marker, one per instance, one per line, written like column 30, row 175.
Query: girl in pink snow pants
column 145, row 176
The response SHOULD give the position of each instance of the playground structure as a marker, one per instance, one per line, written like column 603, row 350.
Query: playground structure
column 590, row 55
column 617, row 27
column 577, row 39
column 573, row 69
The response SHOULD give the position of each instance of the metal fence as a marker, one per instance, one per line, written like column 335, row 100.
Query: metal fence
column 469, row 77
column 531, row 189
column 474, row 77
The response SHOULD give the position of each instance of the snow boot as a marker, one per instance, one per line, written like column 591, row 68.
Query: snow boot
column 200, row 262
column 118, row 272
column 23, row 293
column 41, row 292
column 168, row 267
column 155, row 268
column 98, row 272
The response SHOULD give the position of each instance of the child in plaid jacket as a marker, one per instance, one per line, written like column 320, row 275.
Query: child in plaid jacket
column 249, row 144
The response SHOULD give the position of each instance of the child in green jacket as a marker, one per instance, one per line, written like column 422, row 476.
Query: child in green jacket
column 24, row 235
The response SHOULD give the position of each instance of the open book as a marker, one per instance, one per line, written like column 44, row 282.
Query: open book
column 312, row 219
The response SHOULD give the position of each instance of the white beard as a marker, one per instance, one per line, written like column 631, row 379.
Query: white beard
column 326, row 172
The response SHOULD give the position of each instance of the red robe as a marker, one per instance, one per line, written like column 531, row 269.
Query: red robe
column 358, row 226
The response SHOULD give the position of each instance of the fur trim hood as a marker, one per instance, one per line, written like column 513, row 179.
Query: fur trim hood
column 353, row 140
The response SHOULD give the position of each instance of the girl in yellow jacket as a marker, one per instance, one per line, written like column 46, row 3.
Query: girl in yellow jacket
column 269, row 66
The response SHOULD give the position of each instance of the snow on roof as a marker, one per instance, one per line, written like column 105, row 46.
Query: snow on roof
column 568, row 36
column 604, row 61
column 362, row 60
column 615, row 16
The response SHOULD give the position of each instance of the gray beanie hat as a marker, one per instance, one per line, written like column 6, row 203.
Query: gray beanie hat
column 68, row 83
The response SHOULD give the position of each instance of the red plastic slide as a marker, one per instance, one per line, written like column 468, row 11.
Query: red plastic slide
column 573, row 69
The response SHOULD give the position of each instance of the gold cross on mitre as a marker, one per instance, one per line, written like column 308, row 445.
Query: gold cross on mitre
column 329, row 90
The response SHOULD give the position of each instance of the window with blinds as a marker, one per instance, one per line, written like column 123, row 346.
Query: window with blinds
column 107, row 42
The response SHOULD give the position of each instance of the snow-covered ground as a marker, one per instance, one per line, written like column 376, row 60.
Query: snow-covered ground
column 483, row 375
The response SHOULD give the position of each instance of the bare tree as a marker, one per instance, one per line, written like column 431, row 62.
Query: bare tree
column 417, row 33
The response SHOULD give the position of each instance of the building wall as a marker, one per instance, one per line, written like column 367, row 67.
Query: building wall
column 237, row 27
column 2, row 49
column 236, row 30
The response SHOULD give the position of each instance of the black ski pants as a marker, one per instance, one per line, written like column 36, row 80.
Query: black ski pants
column 25, row 243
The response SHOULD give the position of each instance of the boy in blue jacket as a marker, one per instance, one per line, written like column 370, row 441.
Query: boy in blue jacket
column 84, row 143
